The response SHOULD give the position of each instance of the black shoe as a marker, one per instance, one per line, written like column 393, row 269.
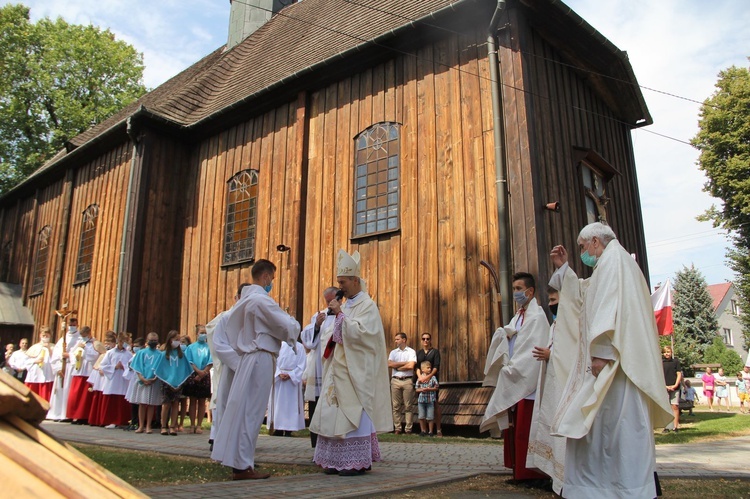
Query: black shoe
column 665, row 430
column 351, row 472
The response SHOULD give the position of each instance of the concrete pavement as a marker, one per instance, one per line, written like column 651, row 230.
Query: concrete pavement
column 402, row 466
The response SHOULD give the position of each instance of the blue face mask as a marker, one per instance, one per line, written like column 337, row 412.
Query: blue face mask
column 268, row 287
column 520, row 297
column 202, row 338
column 587, row 259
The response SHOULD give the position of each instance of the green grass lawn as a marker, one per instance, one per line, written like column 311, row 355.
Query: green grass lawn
column 151, row 469
column 706, row 426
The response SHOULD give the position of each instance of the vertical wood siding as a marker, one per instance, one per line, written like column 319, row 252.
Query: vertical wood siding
column 425, row 277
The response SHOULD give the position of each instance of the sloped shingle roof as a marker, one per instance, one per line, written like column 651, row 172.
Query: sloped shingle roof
column 718, row 292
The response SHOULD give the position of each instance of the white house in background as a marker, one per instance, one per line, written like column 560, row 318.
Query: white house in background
column 727, row 313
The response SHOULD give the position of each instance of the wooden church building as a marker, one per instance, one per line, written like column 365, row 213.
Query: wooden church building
column 427, row 134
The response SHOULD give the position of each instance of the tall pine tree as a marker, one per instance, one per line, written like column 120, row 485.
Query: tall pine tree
column 693, row 309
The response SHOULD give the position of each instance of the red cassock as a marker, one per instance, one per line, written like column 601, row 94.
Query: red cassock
column 516, row 442
column 80, row 398
column 96, row 408
column 44, row 390
column 114, row 410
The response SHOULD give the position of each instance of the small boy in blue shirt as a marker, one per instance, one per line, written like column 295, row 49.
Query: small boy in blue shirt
column 426, row 402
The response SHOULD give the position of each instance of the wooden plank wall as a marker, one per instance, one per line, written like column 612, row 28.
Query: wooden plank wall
column 102, row 181
column 426, row 277
column 565, row 113
column 268, row 143
column 158, row 297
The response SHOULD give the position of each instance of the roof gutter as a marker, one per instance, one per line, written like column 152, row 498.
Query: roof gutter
column 322, row 64
column 501, row 183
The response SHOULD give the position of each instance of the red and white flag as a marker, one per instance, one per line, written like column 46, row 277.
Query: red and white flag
column 662, row 302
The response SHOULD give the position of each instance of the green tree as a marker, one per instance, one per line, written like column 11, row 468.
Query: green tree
column 58, row 79
column 724, row 143
column 718, row 353
column 686, row 350
column 693, row 309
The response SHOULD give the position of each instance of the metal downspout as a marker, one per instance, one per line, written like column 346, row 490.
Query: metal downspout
column 501, row 183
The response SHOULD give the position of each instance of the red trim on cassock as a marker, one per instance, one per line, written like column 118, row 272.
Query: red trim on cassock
column 114, row 410
column 96, row 407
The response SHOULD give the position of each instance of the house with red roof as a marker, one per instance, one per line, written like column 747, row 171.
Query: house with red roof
column 727, row 313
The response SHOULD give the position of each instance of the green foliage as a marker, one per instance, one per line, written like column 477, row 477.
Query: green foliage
column 686, row 350
column 58, row 80
column 718, row 353
column 693, row 312
column 724, row 144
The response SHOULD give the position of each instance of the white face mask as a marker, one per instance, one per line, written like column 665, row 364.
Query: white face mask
column 176, row 343
column 45, row 339
column 72, row 329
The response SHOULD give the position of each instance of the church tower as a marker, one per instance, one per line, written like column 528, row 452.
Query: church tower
column 246, row 16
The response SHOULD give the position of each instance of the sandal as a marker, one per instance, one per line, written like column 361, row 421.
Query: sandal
column 173, row 432
column 164, row 432
column 439, row 433
column 149, row 432
column 139, row 430
column 199, row 431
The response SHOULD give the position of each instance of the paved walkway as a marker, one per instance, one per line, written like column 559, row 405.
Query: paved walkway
column 399, row 470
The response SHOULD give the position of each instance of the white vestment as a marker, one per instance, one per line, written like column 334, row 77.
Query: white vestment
column 286, row 409
column 114, row 381
column 511, row 367
column 609, row 419
column 312, row 343
column 546, row 451
column 255, row 328
column 38, row 366
column 58, row 403
column 226, row 361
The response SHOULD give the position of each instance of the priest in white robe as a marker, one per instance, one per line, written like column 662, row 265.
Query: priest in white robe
column 256, row 327
column 286, row 407
column 512, row 369
column 310, row 338
column 58, row 403
column 355, row 397
column 547, row 451
column 615, row 394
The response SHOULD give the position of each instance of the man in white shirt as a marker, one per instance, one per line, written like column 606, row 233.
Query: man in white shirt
column 17, row 360
column 401, row 361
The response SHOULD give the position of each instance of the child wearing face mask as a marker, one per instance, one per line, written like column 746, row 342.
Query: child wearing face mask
column 40, row 377
column 147, row 393
column 198, row 385
column 173, row 370
column 185, row 342
column 132, row 380
column 96, row 379
column 115, row 409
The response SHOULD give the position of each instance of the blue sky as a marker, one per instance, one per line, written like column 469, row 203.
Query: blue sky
column 677, row 47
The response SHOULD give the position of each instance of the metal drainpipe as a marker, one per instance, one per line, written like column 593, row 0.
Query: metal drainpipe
column 126, row 226
column 501, row 183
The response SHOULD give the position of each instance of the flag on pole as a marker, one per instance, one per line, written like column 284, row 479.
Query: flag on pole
column 662, row 302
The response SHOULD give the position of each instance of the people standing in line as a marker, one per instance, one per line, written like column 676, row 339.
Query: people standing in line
column 61, row 386
column 147, row 393
column 402, row 361
column 673, row 379
column 722, row 389
column 82, row 359
column 432, row 355
column 286, row 406
column 512, row 369
column 256, row 327
column 198, row 386
column 355, row 371
column 115, row 409
column 225, row 360
column 173, row 369
column 709, row 385
column 426, row 396
column 18, row 360
column 310, row 338
column 615, row 395
column 39, row 376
